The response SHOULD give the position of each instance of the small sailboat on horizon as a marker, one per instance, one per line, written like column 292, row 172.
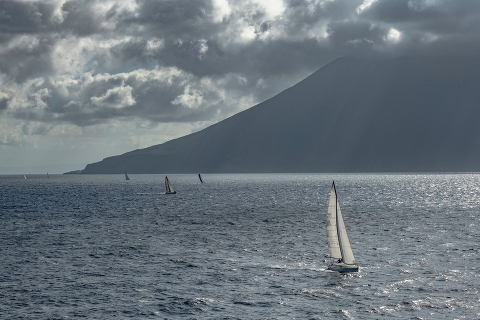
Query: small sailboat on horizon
column 337, row 238
column 200, row 177
column 126, row 176
column 168, row 187
column 24, row 177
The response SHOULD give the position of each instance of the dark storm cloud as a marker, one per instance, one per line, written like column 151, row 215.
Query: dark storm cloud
column 25, row 17
column 37, row 17
column 174, row 18
column 4, row 102
column 86, row 62
column 405, row 11
column 303, row 14
column 81, row 19
column 430, row 27
column 185, row 29
column 355, row 34
column 31, row 57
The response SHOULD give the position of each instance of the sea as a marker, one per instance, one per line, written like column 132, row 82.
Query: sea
column 238, row 246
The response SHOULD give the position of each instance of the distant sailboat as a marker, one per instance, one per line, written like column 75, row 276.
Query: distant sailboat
column 48, row 175
column 200, row 177
column 126, row 176
column 24, row 177
column 168, row 187
column 338, row 243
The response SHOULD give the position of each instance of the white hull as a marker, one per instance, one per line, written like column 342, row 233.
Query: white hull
column 342, row 267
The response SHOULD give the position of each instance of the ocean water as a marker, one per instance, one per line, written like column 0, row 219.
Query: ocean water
column 238, row 247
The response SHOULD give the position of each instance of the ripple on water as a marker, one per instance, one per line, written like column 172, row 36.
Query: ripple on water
column 238, row 246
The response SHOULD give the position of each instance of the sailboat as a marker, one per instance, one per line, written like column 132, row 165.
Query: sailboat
column 337, row 237
column 126, row 176
column 200, row 177
column 25, row 177
column 48, row 175
column 168, row 187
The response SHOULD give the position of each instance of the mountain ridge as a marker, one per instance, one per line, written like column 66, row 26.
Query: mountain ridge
column 409, row 114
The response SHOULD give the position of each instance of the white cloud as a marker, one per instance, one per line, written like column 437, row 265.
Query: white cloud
column 155, row 44
column 191, row 98
column 273, row 8
column 118, row 97
column 202, row 48
column 22, row 42
column 365, row 5
column 247, row 33
column 394, row 35
column 221, row 10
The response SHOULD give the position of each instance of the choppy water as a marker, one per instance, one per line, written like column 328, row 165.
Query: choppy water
column 238, row 247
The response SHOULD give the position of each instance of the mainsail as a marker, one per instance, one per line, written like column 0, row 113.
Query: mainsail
column 332, row 237
column 200, row 177
column 338, row 243
column 168, row 187
column 126, row 176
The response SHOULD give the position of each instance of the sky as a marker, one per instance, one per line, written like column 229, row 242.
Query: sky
column 84, row 80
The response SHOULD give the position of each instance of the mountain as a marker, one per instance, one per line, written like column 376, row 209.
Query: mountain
column 409, row 114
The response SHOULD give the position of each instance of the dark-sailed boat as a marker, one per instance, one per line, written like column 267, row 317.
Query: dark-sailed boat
column 126, row 176
column 338, row 243
column 200, row 177
column 168, row 187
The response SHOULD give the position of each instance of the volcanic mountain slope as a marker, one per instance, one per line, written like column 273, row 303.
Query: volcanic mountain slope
column 407, row 114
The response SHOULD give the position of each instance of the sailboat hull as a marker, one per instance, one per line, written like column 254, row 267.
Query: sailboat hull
column 343, row 267
column 174, row 192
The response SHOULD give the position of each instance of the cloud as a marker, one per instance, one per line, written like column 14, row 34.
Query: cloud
column 4, row 99
column 14, row 133
column 429, row 26
column 18, row 17
column 162, row 94
column 87, row 63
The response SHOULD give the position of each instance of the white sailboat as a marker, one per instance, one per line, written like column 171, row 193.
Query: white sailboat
column 200, row 177
column 25, row 177
column 126, row 176
column 168, row 187
column 338, row 243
